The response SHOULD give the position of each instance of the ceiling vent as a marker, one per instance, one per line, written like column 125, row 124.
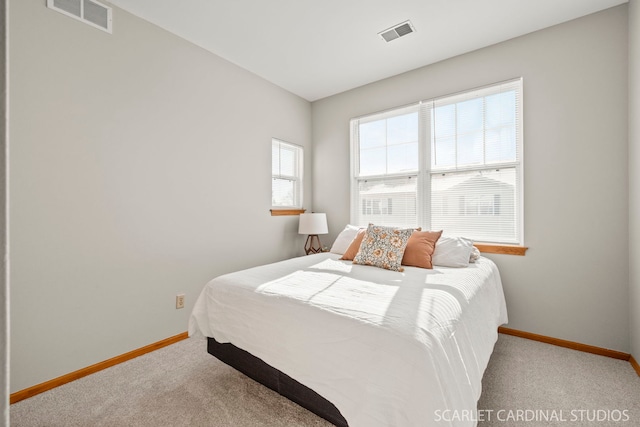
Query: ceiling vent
column 397, row 31
column 88, row 11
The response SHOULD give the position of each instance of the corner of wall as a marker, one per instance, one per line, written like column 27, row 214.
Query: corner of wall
column 4, row 286
column 634, row 179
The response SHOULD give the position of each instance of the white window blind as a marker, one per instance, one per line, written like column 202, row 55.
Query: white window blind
column 386, row 165
column 286, row 173
column 452, row 163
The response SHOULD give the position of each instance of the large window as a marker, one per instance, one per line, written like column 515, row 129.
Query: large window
column 286, row 174
column 452, row 163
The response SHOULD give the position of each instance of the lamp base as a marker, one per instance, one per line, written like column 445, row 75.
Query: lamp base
column 312, row 245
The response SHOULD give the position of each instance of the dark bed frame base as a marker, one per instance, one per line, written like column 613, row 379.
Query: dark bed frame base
column 277, row 381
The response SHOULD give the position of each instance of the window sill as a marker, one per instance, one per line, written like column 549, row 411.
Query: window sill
column 283, row 212
column 501, row 249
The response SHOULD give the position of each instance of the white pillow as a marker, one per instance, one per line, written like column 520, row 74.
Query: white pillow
column 344, row 239
column 452, row 252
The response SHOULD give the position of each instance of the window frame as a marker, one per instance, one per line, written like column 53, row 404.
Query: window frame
column 425, row 171
column 296, row 178
column 357, row 179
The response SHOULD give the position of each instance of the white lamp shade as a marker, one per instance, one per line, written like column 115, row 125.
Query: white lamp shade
column 313, row 223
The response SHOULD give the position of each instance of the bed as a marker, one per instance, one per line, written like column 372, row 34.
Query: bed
column 356, row 344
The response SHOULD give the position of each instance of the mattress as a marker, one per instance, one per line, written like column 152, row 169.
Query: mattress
column 386, row 348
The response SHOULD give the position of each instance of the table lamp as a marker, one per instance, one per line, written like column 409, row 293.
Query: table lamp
column 313, row 224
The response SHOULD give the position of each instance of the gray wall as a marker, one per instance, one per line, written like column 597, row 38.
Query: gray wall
column 4, row 288
column 140, row 169
column 634, row 175
column 573, row 282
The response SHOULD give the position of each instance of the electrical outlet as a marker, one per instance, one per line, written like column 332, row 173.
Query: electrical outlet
column 179, row 301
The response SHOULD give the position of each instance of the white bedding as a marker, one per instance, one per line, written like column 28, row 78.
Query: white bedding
column 387, row 348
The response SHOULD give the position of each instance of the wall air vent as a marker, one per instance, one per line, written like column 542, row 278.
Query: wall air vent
column 397, row 31
column 88, row 11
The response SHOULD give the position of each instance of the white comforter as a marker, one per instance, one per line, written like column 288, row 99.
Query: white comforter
column 387, row 348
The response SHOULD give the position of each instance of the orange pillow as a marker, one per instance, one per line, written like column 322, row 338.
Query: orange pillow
column 352, row 250
column 420, row 248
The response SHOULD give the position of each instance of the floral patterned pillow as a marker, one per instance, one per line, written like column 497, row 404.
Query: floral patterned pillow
column 383, row 247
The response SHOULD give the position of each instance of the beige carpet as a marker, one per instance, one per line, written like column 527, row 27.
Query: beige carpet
column 556, row 386
column 181, row 385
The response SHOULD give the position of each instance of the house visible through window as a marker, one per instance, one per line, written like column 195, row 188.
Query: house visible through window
column 377, row 206
column 286, row 174
column 452, row 163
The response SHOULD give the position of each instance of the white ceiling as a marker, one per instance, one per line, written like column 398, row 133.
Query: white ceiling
column 319, row 48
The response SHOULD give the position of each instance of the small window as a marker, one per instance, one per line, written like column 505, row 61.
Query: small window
column 286, row 174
